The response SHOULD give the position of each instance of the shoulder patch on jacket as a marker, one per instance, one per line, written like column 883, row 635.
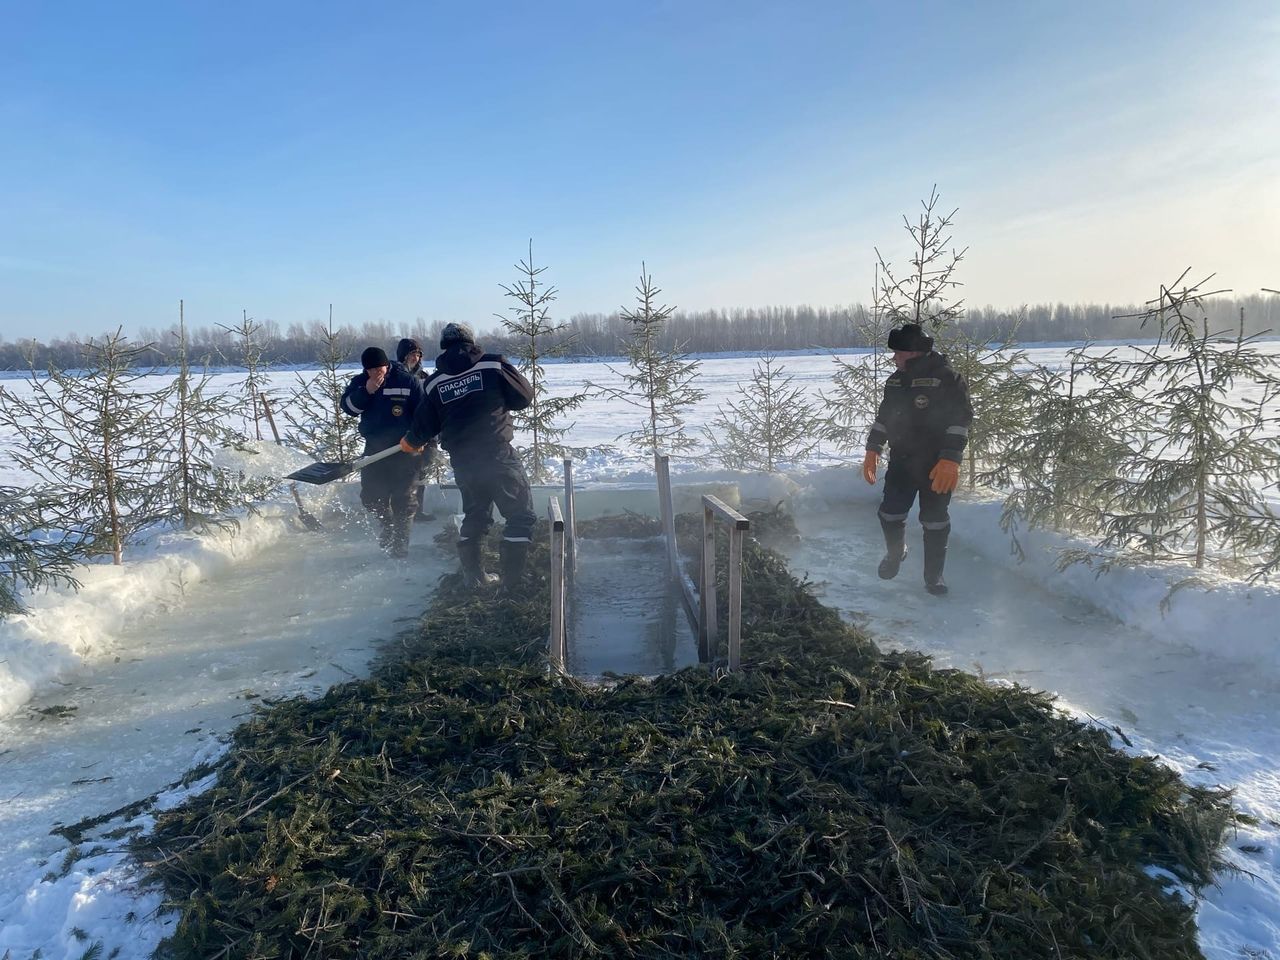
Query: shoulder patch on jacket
column 457, row 387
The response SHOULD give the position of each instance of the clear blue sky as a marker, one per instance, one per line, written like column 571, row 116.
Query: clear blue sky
column 394, row 158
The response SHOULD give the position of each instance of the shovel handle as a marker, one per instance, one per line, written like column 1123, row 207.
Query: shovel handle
column 374, row 458
column 266, row 408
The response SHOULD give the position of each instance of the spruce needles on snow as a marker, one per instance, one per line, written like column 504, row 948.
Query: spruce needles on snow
column 828, row 800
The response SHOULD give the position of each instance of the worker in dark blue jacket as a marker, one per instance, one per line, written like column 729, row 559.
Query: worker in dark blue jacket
column 385, row 397
column 467, row 402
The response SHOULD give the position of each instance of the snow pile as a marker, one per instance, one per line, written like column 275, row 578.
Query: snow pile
column 1233, row 619
column 64, row 627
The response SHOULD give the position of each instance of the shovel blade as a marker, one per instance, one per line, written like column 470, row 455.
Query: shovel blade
column 321, row 473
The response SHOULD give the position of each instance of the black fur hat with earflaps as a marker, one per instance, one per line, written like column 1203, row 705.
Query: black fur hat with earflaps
column 910, row 336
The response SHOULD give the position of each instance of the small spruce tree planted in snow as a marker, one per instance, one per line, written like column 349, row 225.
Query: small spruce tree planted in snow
column 201, row 491
column 537, row 338
column 924, row 294
column 98, row 436
column 316, row 424
column 1068, row 439
column 660, row 380
column 857, row 386
column 1187, row 488
column 991, row 371
column 35, row 548
column 247, row 351
column 770, row 423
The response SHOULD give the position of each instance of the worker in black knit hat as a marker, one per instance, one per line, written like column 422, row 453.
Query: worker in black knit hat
column 924, row 420
column 385, row 396
column 467, row 403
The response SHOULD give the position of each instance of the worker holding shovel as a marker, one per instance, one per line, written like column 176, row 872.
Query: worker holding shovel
column 385, row 397
column 467, row 403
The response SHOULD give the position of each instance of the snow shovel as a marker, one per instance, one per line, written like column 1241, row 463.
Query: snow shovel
column 328, row 472
column 308, row 520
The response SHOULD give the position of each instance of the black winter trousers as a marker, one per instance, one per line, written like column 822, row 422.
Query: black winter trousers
column 494, row 478
column 906, row 478
column 388, row 489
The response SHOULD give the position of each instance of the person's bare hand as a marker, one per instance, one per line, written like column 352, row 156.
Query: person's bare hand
column 376, row 377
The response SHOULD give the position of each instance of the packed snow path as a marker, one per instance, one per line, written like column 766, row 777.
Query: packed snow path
column 298, row 616
column 1214, row 720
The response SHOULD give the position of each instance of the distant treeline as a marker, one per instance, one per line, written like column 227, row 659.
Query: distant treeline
column 704, row 331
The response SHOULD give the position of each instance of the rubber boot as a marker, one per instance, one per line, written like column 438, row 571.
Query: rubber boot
column 398, row 545
column 935, row 558
column 473, row 574
column 895, row 545
column 385, row 528
column 513, row 555
column 422, row 515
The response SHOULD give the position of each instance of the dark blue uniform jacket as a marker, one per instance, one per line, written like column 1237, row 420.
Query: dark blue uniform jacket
column 466, row 402
column 925, row 414
column 385, row 416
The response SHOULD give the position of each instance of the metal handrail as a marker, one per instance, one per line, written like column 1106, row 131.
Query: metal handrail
column 555, row 643
column 714, row 508
column 570, row 520
column 666, row 510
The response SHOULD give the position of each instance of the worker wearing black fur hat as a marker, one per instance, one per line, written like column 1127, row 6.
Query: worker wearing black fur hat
column 409, row 353
column 385, row 397
column 924, row 419
column 467, row 402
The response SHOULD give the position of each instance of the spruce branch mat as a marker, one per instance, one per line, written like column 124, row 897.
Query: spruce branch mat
column 828, row 800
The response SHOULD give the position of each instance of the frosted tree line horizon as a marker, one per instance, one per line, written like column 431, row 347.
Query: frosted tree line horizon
column 1145, row 458
column 606, row 335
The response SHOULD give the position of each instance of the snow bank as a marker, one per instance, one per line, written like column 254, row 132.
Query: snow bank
column 64, row 627
column 1234, row 620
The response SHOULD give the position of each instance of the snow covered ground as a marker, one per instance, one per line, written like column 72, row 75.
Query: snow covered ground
column 137, row 677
